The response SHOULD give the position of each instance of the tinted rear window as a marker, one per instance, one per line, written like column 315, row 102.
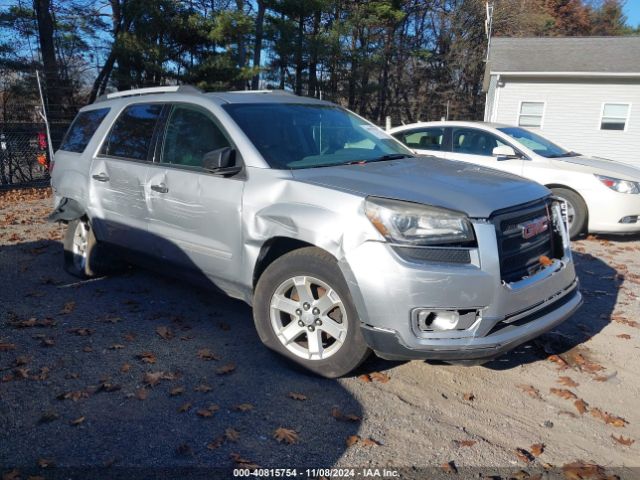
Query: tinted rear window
column 82, row 129
column 132, row 132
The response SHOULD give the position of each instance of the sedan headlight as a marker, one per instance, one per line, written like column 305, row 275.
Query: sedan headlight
column 621, row 186
column 416, row 224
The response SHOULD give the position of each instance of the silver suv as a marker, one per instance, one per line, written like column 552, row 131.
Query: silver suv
column 341, row 239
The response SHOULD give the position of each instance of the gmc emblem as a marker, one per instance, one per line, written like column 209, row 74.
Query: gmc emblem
column 534, row 227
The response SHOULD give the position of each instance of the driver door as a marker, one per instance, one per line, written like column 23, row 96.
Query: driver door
column 476, row 146
column 195, row 214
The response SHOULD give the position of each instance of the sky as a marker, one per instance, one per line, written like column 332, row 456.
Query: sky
column 632, row 11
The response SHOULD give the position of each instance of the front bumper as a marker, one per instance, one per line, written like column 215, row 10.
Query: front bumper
column 386, row 289
column 607, row 208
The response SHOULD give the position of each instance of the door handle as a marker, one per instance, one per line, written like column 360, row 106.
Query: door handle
column 101, row 177
column 162, row 188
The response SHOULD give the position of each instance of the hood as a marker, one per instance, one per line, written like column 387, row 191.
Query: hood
column 474, row 190
column 603, row 166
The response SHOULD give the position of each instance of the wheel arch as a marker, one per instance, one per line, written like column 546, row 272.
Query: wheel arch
column 586, row 205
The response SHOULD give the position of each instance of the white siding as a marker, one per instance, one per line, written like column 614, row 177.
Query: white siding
column 572, row 113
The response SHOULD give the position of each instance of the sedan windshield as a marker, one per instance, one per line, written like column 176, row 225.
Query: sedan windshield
column 292, row 136
column 538, row 144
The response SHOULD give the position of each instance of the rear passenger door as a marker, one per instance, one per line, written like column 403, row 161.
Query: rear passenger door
column 197, row 211
column 425, row 141
column 118, row 197
column 476, row 146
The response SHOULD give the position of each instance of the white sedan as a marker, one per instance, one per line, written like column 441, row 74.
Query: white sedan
column 602, row 196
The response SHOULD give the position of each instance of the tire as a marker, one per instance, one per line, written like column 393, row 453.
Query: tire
column 81, row 249
column 576, row 209
column 302, row 297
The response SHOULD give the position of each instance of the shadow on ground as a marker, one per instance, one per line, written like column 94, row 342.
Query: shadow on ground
column 219, row 397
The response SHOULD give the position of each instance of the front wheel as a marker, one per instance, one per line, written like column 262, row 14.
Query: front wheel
column 303, row 310
column 574, row 210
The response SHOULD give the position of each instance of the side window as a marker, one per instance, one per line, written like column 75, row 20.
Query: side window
column 423, row 139
column 82, row 129
column 131, row 134
column 190, row 133
column 474, row 142
column 614, row 116
column 531, row 114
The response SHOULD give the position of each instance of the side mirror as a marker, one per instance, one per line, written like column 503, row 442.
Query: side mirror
column 504, row 152
column 218, row 159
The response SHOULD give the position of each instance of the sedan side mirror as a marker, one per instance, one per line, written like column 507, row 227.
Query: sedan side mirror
column 504, row 152
column 217, row 159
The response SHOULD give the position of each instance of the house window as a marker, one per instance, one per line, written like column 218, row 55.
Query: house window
column 614, row 116
column 531, row 114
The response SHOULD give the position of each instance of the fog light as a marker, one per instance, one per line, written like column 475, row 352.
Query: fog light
column 443, row 320
column 629, row 219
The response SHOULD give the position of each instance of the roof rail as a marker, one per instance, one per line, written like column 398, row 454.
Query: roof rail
column 281, row 91
column 148, row 91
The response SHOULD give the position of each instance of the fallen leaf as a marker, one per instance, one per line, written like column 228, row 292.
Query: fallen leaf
column 147, row 357
column 184, row 449
column 125, row 368
column 74, row 395
column 49, row 416
column 5, row 347
column 352, row 440
column 109, row 387
column 624, row 336
column 243, row 462
column 184, row 407
column 380, row 377
column 204, row 413
column 469, row 397
column 11, row 475
column 559, row 361
column 216, row 443
column 523, row 455
column 142, row 393
column 87, row 349
column 563, row 393
column 338, row 415
column 46, row 462
column 233, row 435
column 608, row 418
column 297, row 396
column 176, row 391
column 581, row 406
column 204, row 388
column 206, row 354
column 286, row 435
column 580, row 470
column 464, row 443
column 165, row 332
column 449, row 467
column 153, row 378
column 226, row 369
column 68, row 308
column 21, row 360
column 530, row 390
column 81, row 332
column 370, row 442
column 116, row 346
column 623, row 441
column 567, row 382
column 365, row 378
column 243, row 407
column 77, row 421
column 537, row 449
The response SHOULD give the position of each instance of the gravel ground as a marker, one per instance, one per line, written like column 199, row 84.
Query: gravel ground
column 136, row 374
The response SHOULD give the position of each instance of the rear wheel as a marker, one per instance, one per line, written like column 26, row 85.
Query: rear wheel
column 574, row 210
column 80, row 249
column 304, row 311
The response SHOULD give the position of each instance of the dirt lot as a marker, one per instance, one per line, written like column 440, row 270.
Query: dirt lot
column 139, row 373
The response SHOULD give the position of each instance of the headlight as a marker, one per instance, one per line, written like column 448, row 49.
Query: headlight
column 415, row 224
column 622, row 186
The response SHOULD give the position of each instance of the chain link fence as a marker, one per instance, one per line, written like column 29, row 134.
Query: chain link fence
column 24, row 146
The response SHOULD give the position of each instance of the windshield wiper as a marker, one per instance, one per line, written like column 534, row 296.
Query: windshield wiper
column 382, row 158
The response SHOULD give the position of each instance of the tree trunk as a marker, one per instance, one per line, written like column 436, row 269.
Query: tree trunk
column 299, row 48
column 313, row 61
column 242, row 49
column 47, row 50
column 257, row 46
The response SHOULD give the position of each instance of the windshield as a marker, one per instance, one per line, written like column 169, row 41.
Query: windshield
column 291, row 136
column 538, row 144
